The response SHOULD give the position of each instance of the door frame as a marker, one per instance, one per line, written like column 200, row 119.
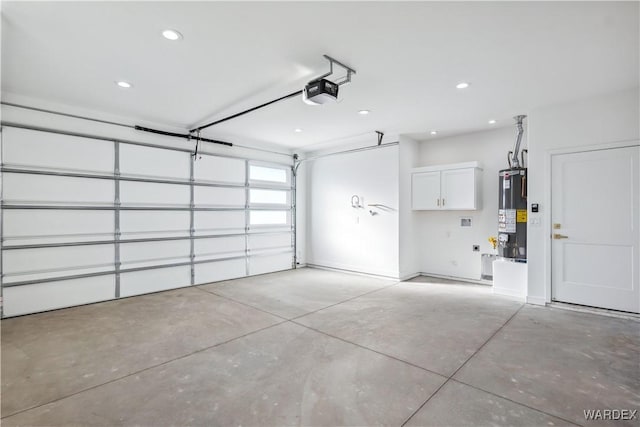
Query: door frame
column 547, row 220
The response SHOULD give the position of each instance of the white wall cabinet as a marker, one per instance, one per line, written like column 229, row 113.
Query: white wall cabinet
column 446, row 187
column 425, row 190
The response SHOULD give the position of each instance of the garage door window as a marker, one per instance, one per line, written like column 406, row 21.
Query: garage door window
column 268, row 197
column 267, row 174
column 269, row 218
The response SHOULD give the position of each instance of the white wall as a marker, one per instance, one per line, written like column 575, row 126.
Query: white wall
column 443, row 246
column 340, row 236
column 586, row 123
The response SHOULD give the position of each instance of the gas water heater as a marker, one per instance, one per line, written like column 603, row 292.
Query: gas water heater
column 512, row 203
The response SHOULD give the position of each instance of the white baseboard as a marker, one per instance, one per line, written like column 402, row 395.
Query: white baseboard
column 409, row 276
column 536, row 300
column 459, row 279
column 510, row 293
column 358, row 273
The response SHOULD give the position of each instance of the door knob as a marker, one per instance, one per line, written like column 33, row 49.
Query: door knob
column 560, row 236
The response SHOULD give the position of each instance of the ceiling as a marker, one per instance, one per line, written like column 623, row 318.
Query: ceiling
column 409, row 56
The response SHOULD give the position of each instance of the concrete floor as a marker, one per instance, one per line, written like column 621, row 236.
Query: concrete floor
column 312, row 347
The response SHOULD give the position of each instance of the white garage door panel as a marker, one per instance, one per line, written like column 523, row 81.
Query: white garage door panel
column 154, row 224
column 22, row 227
column 264, row 241
column 205, row 199
column 219, row 169
column 64, row 293
column 220, row 270
column 218, row 197
column 151, row 194
column 220, row 222
column 136, row 160
column 270, row 263
column 219, row 247
column 52, row 151
column 159, row 279
column 154, row 253
column 22, row 264
column 21, row 188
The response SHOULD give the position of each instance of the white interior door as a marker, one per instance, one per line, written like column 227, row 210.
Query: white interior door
column 595, row 258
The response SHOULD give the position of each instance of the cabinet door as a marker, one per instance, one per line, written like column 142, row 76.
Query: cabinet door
column 425, row 191
column 458, row 189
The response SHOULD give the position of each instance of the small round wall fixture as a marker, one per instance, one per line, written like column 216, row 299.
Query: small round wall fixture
column 172, row 35
column 462, row 85
column 123, row 84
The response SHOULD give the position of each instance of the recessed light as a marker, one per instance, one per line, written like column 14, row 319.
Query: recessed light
column 297, row 130
column 462, row 85
column 492, row 122
column 123, row 84
column 364, row 112
column 172, row 35
column 434, row 132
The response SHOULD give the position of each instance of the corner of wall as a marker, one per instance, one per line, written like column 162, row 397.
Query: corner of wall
column 409, row 250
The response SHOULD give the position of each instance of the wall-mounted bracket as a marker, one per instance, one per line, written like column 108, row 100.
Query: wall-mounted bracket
column 346, row 79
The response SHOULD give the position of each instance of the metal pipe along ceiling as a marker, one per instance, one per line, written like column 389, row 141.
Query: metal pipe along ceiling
column 336, row 153
column 182, row 135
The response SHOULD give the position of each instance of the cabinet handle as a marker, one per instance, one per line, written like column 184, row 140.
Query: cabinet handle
column 438, row 202
column 443, row 202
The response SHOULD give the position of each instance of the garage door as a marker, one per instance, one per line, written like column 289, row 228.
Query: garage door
column 87, row 220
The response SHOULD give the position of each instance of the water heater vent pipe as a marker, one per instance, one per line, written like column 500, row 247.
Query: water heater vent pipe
column 514, row 162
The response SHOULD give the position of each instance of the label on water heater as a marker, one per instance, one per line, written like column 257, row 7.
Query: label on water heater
column 521, row 215
column 507, row 220
column 506, row 183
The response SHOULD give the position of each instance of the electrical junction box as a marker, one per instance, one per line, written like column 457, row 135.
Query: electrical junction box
column 321, row 92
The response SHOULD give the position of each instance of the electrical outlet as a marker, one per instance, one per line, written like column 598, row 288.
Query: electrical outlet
column 476, row 248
